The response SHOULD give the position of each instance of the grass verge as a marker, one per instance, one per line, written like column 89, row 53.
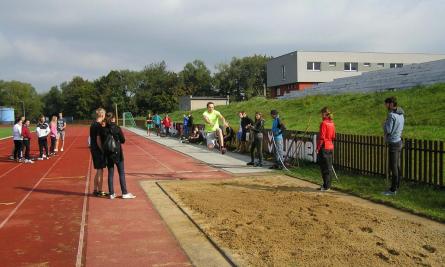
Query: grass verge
column 420, row 199
column 5, row 132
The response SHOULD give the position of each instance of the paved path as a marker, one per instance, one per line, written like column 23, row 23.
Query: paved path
column 234, row 163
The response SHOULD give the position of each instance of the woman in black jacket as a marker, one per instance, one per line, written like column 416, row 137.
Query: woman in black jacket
column 112, row 139
column 257, row 143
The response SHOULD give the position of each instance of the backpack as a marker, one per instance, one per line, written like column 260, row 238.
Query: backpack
column 110, row 145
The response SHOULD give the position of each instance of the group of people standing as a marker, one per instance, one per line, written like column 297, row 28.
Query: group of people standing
column 22, row 137
column 159, row 124
column 106, row 139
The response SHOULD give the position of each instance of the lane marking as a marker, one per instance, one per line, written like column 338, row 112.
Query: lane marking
column 7, row 203
column 10, row 170
column 35, row 186
column 64, row 177
column 84, row 212
column 150, row 155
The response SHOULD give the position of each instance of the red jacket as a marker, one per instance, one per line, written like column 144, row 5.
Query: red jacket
column 167, row 122
column 327, row 135
column 26, row 133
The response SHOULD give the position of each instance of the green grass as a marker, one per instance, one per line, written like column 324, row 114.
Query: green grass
column 425, row 200
column 353, row 113
column 5, row 131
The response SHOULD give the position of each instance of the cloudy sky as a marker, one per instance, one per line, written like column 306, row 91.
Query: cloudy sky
column 46, row 42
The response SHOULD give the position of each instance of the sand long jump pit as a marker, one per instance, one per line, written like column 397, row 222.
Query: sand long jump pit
column 281, row 221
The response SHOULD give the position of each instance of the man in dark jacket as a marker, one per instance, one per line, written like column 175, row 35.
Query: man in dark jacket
column 245, row 121
column 393, row 128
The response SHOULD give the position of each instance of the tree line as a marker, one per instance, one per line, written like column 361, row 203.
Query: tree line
column 153, row 89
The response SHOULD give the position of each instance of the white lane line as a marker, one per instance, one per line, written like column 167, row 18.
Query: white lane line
column 35, row 186
column 84, row 212
column 7, row 203
column 10, row 170
column 150, row 155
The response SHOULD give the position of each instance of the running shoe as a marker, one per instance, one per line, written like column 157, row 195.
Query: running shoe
column 223, row 150
column 112, row 196
column 128, row 196
column 250, row 163
column 61, row 149
column 55, row 150
column 39, row 158
column 322, row 189
column 389, row 193
column 258, row 164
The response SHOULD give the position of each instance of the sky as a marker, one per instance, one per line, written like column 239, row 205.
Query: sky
column 47, row 42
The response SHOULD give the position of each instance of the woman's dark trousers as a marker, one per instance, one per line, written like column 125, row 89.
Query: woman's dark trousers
column 325, row 160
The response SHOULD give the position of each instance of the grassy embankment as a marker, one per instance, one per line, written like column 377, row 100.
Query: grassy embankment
column 5, row 132
column 361, row 114
column 353, row 113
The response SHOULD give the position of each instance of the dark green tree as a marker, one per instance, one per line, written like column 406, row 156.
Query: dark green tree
column 20, row 96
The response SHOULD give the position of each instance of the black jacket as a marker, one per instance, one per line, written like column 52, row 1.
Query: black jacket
column 258, row 126
column 118, row 135
column 244, row 122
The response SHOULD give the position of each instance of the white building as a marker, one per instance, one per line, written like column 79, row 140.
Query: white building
column 301, row 70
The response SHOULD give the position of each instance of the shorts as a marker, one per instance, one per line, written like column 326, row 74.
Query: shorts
column 99, row 161
column 149, row 125
column 157, row 126
column 211, row 138
column 243, row 136
column 61, row 135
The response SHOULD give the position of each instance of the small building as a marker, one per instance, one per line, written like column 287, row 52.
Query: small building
column 7, row 115
column 188, row 103
column 301, row 70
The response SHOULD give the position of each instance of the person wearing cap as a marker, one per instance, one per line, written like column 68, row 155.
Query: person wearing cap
column 277, row 132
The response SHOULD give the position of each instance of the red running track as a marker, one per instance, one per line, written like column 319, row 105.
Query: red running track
column 48, row 218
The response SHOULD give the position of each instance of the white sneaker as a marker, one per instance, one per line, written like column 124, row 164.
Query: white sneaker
column 44, row 156
column 29, row 161
column 128, row 196
column 55, row 150
column 112, row 196
column 61, row 149
column 11, row 157
column 39, row 158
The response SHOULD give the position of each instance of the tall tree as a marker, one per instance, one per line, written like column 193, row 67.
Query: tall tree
column 195, row 79
column 80, row 98
column 52, row 101
column 22, row 97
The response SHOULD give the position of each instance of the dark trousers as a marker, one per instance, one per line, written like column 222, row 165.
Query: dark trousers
column 257, row 144
column 395, row 149
column 43, row 144
column 167, row 131
column 121, row 171
column 18, row 144
column 186, row 131
column 26, row 144
column 325, row 161
column 53, row 144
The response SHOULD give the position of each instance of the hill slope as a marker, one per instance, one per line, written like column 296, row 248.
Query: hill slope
column 353, row 113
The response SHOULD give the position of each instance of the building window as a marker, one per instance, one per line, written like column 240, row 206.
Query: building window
column 395, row 65
column 314, row 66
column 283, row 72
column 381, row 65
column 351, row 66
column 332, row 64
column 367, row 64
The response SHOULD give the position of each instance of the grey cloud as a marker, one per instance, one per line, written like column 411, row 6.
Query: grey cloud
column 47, row 42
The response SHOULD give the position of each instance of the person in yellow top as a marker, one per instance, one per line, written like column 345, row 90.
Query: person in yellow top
column 213, row 132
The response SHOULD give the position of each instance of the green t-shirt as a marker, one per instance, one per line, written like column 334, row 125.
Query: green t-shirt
column 214, row 119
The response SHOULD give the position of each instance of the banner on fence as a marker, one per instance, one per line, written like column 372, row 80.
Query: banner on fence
column 295, row 145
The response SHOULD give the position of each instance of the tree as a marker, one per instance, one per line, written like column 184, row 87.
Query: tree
column 53, row 101
column 80, row 98
column 20, row 96
column 195, row 79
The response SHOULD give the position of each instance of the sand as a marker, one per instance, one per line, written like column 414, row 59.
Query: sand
column 281, row 221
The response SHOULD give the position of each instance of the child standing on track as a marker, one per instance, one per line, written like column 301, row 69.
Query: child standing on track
column 18, row 139
column 53, row 135
column 112, row 139
column 27, row 141
column 96, row 152
column 325, row 147
column 42, row 131
column 157, row 122
column 61, row 126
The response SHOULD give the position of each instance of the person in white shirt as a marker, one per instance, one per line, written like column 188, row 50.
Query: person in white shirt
column 18, row 140
column 42, row 131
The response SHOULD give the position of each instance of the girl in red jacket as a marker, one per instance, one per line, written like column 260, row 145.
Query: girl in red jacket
column 167, row 122
column 325, row 147
column 27, row 141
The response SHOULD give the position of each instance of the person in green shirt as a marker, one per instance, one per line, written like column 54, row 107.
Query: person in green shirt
column 213, row 132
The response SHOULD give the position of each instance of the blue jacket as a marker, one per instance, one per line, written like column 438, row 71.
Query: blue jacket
column 277, row 132
column 185, row 122
column 394, row 125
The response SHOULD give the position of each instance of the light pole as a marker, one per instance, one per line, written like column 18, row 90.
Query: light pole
column 23, row 107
